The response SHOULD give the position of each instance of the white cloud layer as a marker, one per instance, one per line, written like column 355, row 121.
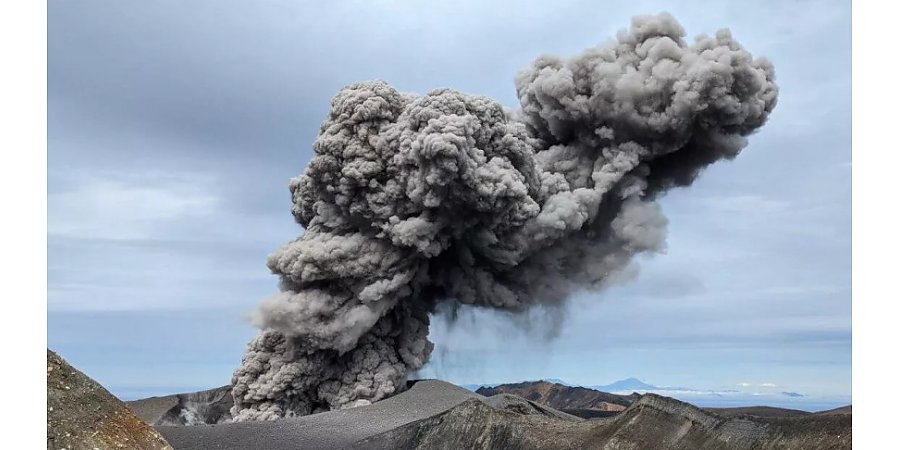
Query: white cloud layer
column 135, row 206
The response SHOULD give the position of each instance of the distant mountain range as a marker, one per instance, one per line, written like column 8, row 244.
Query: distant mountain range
column 628, row 384
column 722, row 398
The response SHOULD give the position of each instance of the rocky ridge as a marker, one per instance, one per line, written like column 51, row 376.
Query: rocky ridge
column 82, row 415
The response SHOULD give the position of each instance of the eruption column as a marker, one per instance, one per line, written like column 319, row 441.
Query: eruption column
column 411, row 201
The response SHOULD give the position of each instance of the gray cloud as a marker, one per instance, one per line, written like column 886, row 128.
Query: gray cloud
column 414, row 200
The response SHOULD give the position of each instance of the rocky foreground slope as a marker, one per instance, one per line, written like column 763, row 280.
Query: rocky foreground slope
column 82, row 415
column 433, row 415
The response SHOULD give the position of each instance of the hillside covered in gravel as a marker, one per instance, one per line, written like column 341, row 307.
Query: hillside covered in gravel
column 82, row 415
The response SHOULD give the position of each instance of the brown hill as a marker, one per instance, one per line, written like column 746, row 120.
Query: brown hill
column 652, row 422
column 664, row 423
column 842, row 410
column 562, row 397
column 758, row 411
column 81, row 414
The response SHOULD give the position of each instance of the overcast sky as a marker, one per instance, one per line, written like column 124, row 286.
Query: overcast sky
column 174, row 126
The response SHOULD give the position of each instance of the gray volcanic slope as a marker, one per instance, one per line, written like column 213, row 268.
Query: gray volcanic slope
column 153, row 410
column 330, row 430
column 434, row 415
column 210, row 406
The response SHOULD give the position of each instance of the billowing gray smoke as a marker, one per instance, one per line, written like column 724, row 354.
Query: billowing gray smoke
column 447, row 197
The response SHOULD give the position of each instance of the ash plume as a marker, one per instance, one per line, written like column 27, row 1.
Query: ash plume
column 411, row 201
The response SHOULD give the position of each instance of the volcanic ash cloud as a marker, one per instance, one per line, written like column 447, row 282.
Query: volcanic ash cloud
column 412, row 200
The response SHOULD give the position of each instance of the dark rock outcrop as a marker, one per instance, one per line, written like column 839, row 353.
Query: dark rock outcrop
column 82, row 415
